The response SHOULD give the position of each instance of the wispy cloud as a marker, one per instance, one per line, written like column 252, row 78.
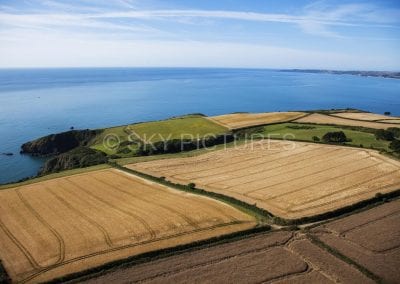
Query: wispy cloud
column 315, row 19
column 126, row 32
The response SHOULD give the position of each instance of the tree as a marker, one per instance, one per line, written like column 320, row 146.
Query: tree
column 395, row 145
column 191, row 185
column 315, row 138
column 335, row 137
column 395, row 131
column 383, row 134
column 387, row 113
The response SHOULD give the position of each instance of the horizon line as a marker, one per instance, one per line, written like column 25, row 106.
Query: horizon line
column 197, row 67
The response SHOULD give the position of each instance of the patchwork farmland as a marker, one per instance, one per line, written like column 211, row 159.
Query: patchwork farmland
column 289, row 179
column 336, row 120
column 367, row 116
column 370, row 238
column 240, row 120
column 278, row 257
column 360, row 248
column 64, row 225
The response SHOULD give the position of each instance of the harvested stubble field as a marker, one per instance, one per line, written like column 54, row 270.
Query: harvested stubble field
column 370, row 238
column 335, row 120
column 240, row 120
column 363, row 116
column 278, row 257
column 289, row 179
column 64, row 225
column 396, row 121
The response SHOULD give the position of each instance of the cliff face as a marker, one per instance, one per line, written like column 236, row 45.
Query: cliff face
column 59, row 143
column 79, row 157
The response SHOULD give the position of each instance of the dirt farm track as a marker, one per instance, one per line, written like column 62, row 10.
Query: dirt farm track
column 60, row 226
column 289, row 179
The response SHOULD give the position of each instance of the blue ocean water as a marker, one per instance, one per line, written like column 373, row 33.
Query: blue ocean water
column 37, row 102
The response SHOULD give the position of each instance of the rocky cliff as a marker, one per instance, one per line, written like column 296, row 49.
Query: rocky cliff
column 59, row 143
column 79, row 157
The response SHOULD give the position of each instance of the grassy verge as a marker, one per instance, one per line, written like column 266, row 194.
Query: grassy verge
column 56, row 175
column 315, row 240
column 159, row 254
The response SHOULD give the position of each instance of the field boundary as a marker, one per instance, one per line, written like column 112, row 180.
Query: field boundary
column 259, row 213
column 376, row 200
column 345, row 118
column 266, row 124
column 357, row 119
column 315, row 240
column 159, row 254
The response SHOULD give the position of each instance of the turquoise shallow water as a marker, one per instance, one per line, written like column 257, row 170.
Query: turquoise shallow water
column 37, row 102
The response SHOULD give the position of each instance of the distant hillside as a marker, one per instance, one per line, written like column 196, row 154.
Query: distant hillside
column 383, row 74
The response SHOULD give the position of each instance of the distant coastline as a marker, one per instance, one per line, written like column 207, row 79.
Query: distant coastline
column 382, row 74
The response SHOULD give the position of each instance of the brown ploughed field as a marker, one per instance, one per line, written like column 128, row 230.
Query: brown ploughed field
column 363, row 116
column 240, row 120
column 64, row 225
column 276, row 257
column 289, row 179
column 329, row 119
column 370, row 238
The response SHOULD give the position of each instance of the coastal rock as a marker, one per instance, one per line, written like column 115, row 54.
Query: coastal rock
column 54, row 144
column 79, row 157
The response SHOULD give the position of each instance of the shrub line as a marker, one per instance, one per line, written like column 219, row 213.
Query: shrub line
column 258, row 212
column 378, row 199
column 315, row 240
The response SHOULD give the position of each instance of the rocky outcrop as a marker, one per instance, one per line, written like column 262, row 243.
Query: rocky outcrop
column 79, row 157
column 59, row 143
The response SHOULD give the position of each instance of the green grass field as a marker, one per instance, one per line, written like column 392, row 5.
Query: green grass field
column 284, row 130
column 187, row 127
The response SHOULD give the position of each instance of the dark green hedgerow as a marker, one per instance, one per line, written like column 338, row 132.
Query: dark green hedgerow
column 4, row 278
column 151, row 256
column 192, row 189
column 346, row 259
column 377, row 199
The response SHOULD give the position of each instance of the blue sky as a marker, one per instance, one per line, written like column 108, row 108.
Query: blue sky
column 220, row 33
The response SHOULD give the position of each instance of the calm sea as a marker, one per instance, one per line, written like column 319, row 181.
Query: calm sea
column 37, row 102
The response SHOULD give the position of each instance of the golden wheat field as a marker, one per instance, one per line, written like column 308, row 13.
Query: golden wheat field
column 335, row 120
column 363, row 116
column 289, row 179
column 64, row 225
column 239, row 120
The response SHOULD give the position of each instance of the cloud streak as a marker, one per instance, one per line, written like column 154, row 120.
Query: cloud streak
column 120, row 33
column 313, row 21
